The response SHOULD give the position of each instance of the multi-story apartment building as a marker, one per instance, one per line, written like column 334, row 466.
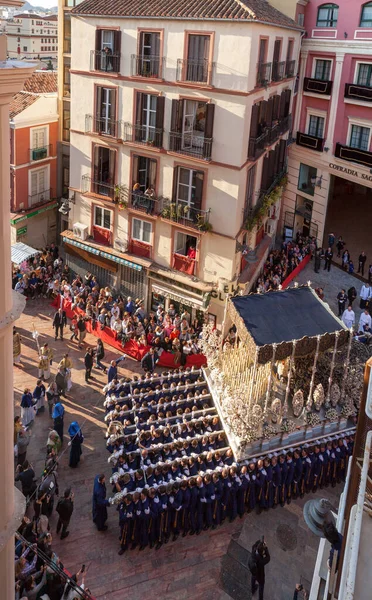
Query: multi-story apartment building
column 12, row 502
column 33, row 160
column 32, row 36
column 178, row 135
column 329, row 165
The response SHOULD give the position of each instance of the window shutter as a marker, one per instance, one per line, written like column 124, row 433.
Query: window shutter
column 265, row 174
column 117, row 45
column 208, row 131
column 199, row 179
column 287, row 102
column 282, row 104
column 135, row 170
column 176, row 117
column 112, row 161
column 33, row 184
column 98, row 102
column 272, row 157
column 276, row 108
column 269, row 111
column 277, row 49
column 159, row 124
column 139, row 108
column 151, row 175
column 254, row 120
column 96, row 157
column 175, row 184
column 277, row 160
column 97, row 61
column 282, row 154
column 112, row 115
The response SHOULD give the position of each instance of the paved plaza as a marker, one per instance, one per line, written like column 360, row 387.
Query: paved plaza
column 212, row 565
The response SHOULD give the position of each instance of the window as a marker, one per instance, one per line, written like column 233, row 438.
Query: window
column 66, row 122
column 149, row 119
column 144, row 172
column 141, row 231
column 193, row 123
column 148, row 61
column 251, row 177
column 262, row 51
column 66, row 77
column 102, row 217
column 65, row 175
column 306, row 179
column 24, row 48
column 301, row 19
column 104, row 171
column 327, row 15
column 189, row 190
column 39, row 143
column 192, row 127
column 107, row 53
column 185, row 245
column 316, row 126
column 359, row 137
column 364, row 76
column 197, row 63
column 290, row 50
column 322, row 70
column 105, row 111
column 366, row 16
column 38, row 186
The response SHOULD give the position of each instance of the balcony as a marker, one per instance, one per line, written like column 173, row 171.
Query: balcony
column 263, row 74
column 318, row 86
column 40, row 198
column 358, row 92
column 309, row 141
column 145, row 204
column 40, row 153
column 102, row 126
column 101, row 188
column 191, row 144
column 285, row 124
column 362, row 157
column 139, row 248
column 140, row 134
column 278, row 71
column 147, row 66
column 107, row 62
column 290, row 66
column 256, row 146
column 184, row 264
column 194, row 71
column 183, row 214
column 101, row 235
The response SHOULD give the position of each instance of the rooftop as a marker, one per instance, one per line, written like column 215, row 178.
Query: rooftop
column 41, row 82
column 232, row 10
column 20, row 102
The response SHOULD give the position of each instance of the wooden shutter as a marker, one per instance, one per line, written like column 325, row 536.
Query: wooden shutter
column 159, row 123
column 112, row 115
column 282, row 103
column 276, row 108
column 254, row 120
column 98, row 102
column 265, row 174
column 277, row 48
column 289, row 50
column 277, row 160
column 199, row 179
column 112, row 161
column 34, row 187
column 208, row 130
column 287, row 94
column 96, row 160
column 271, row 175
column 282, row 154
column 176, row 116
column 175, row 183
column 97, row 61
column 117, row 50
column 135, row 170
column 151, row 172
column 269, row 111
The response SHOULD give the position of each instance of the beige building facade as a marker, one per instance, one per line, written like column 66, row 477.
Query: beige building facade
column 32, row 36
column 179, row 133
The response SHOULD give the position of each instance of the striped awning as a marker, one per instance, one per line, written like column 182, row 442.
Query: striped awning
column 113, row 257
column 21, row 252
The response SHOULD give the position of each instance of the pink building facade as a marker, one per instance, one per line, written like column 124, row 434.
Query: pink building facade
column 330, row 159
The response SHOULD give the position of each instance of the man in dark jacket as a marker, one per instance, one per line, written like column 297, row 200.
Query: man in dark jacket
column 260, row 558
column 65, row 509
column 148, row 363
column 59, row 322
column 88, row 361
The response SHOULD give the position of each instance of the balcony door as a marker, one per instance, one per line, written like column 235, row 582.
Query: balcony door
column 107, row 51
column 104, row 171
column 106, row 111
column 149, row 119
column 144, row 172
column 198, row 58
column 39, row 185
column 39, row 148
column 189, row 191
column 149, row 56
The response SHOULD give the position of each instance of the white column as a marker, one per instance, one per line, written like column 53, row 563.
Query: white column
column 12, row 504
column 303, row 61
column 332, row 112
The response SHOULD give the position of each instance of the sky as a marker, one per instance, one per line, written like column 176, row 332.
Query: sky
column 44, row 3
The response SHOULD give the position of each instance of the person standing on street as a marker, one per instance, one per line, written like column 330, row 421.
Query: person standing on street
column 362, row 262
column 65, row 508
column 59, row 322
column 75, row 443
column 341, row 300
column 100, row 503
column 23, row 440
column 328, row 259
column 82, row 329
column 88, row 362
column 257, row 562
column 317, row 260
column 365, row 296
column 331, row 240
column 348, row 318
column 340, row 246
column 100, row 355
column 351, row 294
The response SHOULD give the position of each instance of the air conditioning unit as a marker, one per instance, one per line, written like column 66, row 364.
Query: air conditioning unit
column 80, row 230
column 119, row 245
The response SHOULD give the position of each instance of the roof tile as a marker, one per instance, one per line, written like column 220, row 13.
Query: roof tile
column 20, row 102
column 246, row 10
column 44, row 82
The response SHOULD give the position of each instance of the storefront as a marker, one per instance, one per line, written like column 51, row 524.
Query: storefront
column 110, row 267
column 37, row 227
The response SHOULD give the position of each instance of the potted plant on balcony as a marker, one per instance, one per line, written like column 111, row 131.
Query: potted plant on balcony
column 203, row 224
column 119, row 196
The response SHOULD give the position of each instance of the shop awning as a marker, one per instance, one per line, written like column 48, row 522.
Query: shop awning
column 186, row 300
column 108, row 255
column 21, row 252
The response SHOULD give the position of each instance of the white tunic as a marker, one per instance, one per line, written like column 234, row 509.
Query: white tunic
column 348, row 318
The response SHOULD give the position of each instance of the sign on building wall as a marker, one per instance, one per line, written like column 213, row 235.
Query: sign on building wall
column 352, row 172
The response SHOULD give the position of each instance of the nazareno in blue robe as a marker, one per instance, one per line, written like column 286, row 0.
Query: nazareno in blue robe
column 99, row 503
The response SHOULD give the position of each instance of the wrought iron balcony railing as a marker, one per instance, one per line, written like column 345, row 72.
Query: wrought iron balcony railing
column 182, row 213
column 191, row 144
column 290, row 68
column 309, row 141
column 141, row 134
column 195, row 71
column 145, row 203
column 95, row 186
column 147, row 66
column 278, row 71
column 263, row 74
column 40, row 153
column 358, row 92
column 106, row 61
column 362, row 157
column 317, row 86
column 102, row 126
column 39, row 198
column 256, row 146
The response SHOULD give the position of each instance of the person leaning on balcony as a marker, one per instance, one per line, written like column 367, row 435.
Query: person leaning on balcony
column 150, row 194
column 136, row 193
column 191, row 253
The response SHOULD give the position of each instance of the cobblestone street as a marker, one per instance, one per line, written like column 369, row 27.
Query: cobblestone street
column 192, row 567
